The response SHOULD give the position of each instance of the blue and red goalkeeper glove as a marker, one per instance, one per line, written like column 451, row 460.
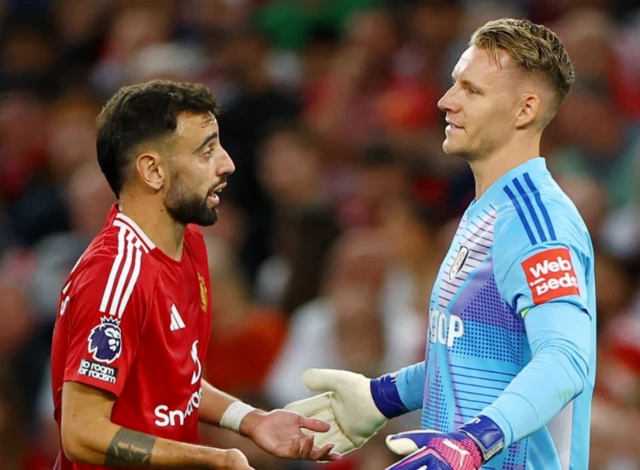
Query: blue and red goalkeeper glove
column 468, row 448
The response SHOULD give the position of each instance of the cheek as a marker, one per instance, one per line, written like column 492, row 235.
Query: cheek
column 491, row 121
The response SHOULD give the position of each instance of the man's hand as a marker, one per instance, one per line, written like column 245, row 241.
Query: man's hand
column 280, row 433
column 347, row 405
column 468, row 448
column 431, row 450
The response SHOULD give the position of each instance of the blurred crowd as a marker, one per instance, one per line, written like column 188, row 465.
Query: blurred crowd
column 333, row 227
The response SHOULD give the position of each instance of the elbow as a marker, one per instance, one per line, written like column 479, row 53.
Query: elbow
column 70, row 446
column 574, row 363
column 578, row 368
column 73, row 443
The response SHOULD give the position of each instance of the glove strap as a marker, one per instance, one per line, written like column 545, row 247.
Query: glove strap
column 386, row 397
column 486, row 434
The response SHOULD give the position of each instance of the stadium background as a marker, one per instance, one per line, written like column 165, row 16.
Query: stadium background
column 333, row 226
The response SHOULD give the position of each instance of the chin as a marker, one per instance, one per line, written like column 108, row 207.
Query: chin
column 209, row 219
column 451, row 149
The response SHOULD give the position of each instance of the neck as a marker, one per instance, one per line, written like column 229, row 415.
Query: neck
column 487, row 170
column 154, row 220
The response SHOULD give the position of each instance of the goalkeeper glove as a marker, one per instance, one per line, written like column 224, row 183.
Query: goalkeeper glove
column 355, row 407
column 468, row 448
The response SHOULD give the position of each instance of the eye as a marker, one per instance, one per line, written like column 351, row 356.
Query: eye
column 472, row 91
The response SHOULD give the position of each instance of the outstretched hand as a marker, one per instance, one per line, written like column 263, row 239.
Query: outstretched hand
column 280, row 433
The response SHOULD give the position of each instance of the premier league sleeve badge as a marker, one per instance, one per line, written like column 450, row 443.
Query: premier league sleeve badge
column 105, row 340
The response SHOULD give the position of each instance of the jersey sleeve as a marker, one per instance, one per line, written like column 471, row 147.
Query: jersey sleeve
column 544, row 264
column 104, row 315
column 410, row 385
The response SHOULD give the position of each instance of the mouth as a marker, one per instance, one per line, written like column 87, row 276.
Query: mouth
column 453, row 126
column 214, row 196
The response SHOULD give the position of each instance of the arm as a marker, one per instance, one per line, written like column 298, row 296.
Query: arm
column 559, row 336
column 279, row 432
column 215, row 402
column 410, row 383
column 89, row 436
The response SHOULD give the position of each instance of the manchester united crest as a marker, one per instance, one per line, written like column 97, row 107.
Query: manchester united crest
column 204, row 298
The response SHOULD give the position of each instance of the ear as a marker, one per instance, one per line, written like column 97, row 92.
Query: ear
column 528, row 111
column 150, row 170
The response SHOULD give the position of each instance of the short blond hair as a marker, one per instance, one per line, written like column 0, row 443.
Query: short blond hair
column 534, row 48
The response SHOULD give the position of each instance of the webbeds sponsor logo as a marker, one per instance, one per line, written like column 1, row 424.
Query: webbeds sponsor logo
column 550, row 275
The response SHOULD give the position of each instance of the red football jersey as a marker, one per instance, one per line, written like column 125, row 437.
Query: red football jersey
column 136, row 323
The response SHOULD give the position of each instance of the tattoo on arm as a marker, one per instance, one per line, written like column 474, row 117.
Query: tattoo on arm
column 130, row 449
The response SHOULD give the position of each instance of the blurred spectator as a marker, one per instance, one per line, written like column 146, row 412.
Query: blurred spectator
column 345, row 328
column 344, row 112
column 17, row 321
column 71, row 132
column 304, row 222
column 34, row 205
column 246, row 337
column 291, row 23
column 136, row 26
column 412, row 233
column 252, row 105
column 380, row 177
column 28, row 52
column 600, row 144
column 13, row 432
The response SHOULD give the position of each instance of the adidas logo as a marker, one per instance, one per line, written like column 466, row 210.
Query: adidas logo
column 176, row 320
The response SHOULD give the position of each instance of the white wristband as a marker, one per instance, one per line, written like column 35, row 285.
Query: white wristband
column 234, row 415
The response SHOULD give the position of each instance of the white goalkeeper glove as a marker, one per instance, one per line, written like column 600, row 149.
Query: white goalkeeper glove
column 351, row 404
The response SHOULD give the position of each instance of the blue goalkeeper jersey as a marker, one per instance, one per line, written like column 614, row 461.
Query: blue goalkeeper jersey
column 522, row 244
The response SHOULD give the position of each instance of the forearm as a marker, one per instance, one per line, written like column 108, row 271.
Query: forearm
column 410, row 383
column 558, row 372
column 106, row 443
column 536, row 395
column 214, row 403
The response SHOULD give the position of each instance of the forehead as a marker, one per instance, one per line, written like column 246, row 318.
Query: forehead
column 479, row 65
column 191, row 125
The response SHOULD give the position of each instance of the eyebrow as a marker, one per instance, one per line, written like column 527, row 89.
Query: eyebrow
column 209, row 138
column 466, row 82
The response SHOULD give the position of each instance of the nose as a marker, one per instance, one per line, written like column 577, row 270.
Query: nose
column 448, row 103
column 226, row 166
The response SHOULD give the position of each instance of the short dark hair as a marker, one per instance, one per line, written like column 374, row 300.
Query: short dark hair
column 140, row 113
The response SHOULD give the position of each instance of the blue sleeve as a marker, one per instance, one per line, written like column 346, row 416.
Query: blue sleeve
column 554, row 270
column 547, row 284
column 410, row 384
column 559, row 336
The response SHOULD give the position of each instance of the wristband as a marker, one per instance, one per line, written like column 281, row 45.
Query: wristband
column 486, row 434
column 234, row 414
column 386, row 397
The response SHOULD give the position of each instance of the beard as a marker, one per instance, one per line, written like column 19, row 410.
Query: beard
column 186, row 207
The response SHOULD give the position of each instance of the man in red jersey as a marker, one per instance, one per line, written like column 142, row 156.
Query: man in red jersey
column 134, row 317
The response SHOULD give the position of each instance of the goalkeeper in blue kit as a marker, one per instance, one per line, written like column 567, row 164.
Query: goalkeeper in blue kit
column 509, row 368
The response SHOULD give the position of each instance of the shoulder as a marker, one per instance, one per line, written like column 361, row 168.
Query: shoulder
column 535, row 211
column 114, row 267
